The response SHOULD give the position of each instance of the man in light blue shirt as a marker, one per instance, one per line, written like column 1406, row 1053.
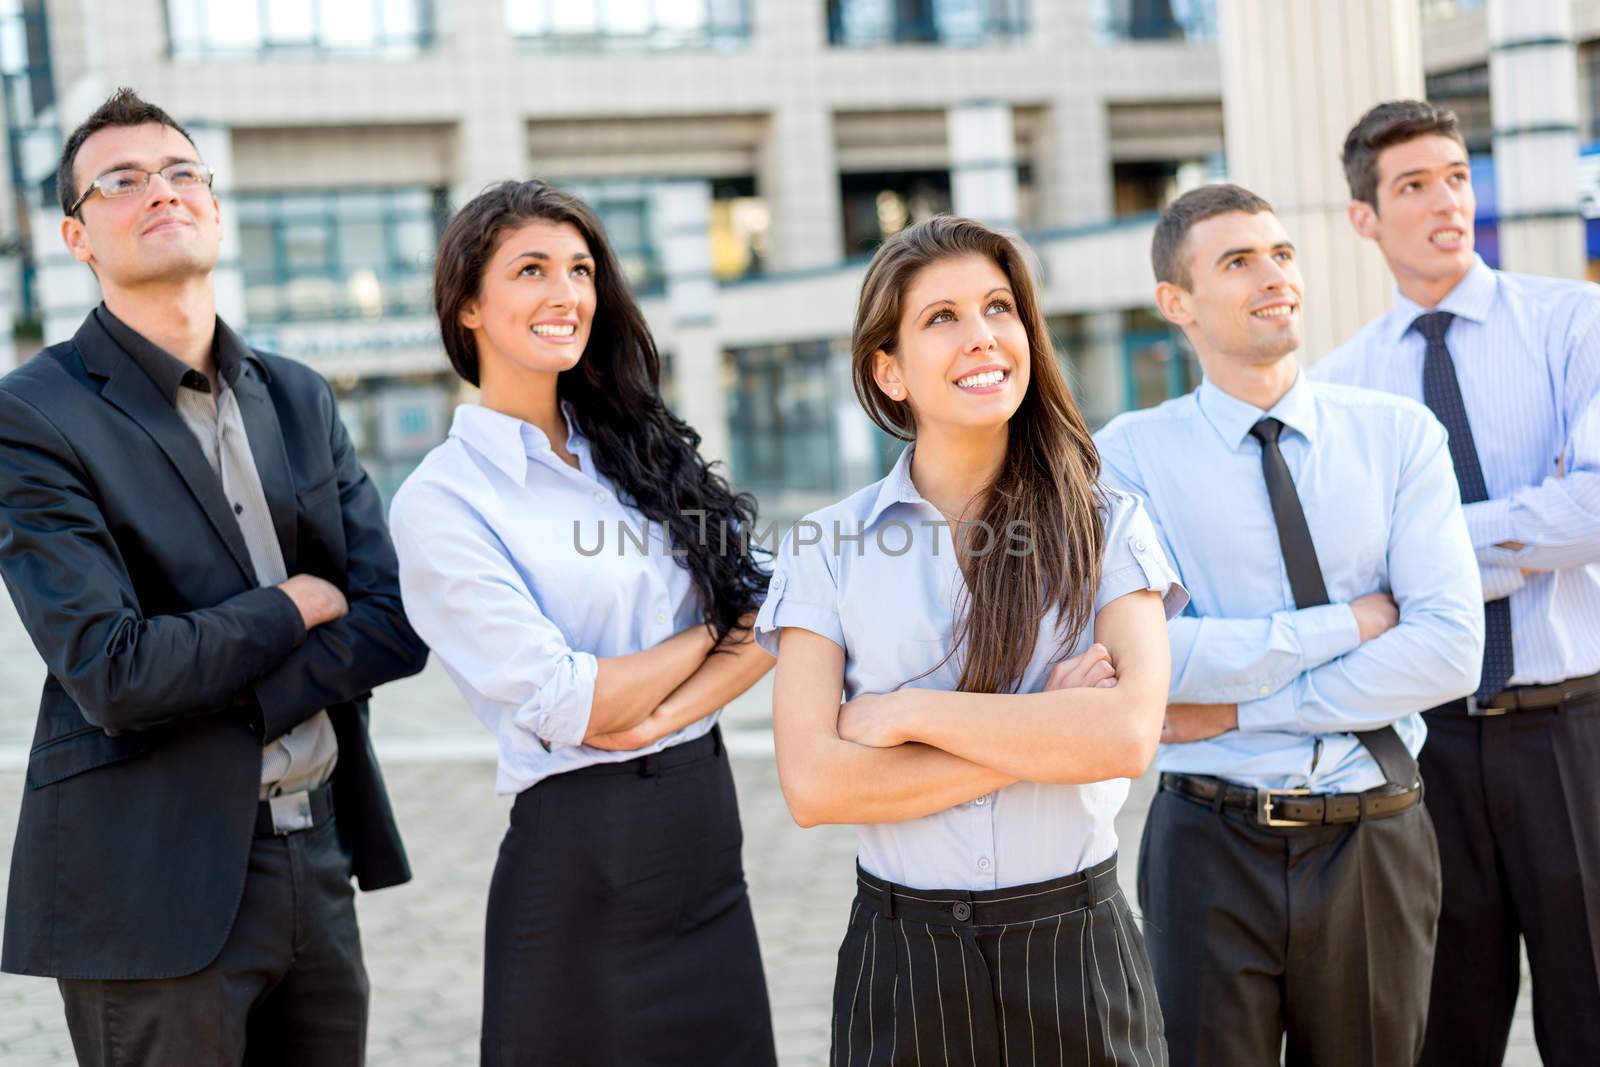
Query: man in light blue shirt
column 1511, row 365
column 1334, row 597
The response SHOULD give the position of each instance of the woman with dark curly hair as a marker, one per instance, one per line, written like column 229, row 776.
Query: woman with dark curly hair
column 583, row 576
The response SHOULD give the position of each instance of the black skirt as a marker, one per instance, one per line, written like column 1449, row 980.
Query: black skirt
column 619, row 928
column 1054, row 973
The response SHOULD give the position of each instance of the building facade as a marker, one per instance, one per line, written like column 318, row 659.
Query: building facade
column 746, row 156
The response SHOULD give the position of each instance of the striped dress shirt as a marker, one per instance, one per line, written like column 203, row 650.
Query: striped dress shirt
column 1527, row 354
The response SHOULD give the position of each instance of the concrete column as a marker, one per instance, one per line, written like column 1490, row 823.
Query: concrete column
column 1072, row 183
column 684, row 211
column 10, row 299
column 799, row 181
column 493, row 128
column 1296, row 75
column 67, row 289
column 1099, row 384
column 983, row 165
column 1533, row 92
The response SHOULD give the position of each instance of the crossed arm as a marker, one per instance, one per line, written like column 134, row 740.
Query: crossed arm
column 913, row 752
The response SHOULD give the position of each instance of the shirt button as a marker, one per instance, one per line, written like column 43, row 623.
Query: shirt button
column 961, row 910
column 661, row 616
column 1138, row 546
column 984, row 863
column 238, row 509
column 601, row 497
column 981, row 801
column 1264, row 691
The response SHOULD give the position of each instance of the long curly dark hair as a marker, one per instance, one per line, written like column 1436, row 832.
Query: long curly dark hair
column 647, row 452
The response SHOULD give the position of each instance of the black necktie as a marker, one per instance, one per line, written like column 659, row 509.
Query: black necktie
column 1310, row 591
column 1442, row 393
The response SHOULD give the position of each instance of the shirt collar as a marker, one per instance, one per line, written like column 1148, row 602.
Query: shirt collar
column 1232, row 417
column 167, row 371
column 896, row 488
column 1471, row 299
column 507, row 441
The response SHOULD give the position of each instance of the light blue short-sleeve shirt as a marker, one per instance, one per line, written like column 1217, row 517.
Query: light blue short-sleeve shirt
column 877, row 574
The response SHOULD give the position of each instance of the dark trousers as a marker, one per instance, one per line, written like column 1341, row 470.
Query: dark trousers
column 288, row 988
column 619, row 927
column 1045, row 975
column 1322, row 935
column 1516, row 799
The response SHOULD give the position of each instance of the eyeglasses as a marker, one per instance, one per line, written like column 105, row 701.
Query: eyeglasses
column 131, row 181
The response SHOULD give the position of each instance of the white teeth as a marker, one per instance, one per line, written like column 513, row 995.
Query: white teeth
column 1282, row 311
column 978, row 381
column 1446, row 235
column 555, row 331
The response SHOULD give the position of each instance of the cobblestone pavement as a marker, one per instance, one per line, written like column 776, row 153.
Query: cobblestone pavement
column 424, row 940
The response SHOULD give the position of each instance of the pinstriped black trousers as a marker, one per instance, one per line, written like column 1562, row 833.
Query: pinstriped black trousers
column 1052, row 974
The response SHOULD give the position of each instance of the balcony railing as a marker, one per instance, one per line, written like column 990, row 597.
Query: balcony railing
column 1194, row 21
column 208, row 29
column 629, row 25
column 951, row 23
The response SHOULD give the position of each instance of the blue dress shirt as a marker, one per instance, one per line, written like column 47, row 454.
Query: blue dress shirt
column 877, row 575
column 520, row 573
column 1374, row 477
column 1527, row 354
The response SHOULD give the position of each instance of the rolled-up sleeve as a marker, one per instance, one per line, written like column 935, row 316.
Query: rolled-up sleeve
column 804, row 592
column 1134, row 558
column 466, row 599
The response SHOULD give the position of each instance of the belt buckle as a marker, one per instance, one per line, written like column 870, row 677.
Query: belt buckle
column 1264, row 806
column 1476, row 710
column 291, row 812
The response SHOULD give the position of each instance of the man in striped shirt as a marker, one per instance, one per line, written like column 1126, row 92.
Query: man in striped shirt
column 1511, row 365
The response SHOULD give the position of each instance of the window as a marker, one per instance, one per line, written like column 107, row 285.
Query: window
column 200, row 28
column 740, row 223
column 1150, row 185
column 879, row 205
column 866, row 23
column 1157, row 20
column 1157, row 362
column 781, row 418
column 645, row 25
column 34, row 140
column 339, row 254
column 627, row 211
column 1438, row 10
column 1466, row 92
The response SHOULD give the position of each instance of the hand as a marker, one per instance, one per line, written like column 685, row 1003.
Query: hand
column 872, row 720
column 1091, row 668
column 1376, row 614
column 1197, row 722
column 647, row 731
column 319, row 601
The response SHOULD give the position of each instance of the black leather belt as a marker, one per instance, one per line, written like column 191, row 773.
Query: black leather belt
column 1294, row 807
column 1526, row 698
column 290, row 813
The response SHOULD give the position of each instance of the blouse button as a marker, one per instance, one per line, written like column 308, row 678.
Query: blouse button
column 984, row 863
column 981, row 801
column 1138, row 546
column 599, row 496
column 661, row 616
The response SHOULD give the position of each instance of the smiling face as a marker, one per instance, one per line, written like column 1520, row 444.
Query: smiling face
column 1243, row 300
column 961, row 357
column 536, row 302
column 1423, row 218
column 160, row 235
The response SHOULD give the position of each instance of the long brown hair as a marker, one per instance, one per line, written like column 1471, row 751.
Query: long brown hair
column 1049, row 479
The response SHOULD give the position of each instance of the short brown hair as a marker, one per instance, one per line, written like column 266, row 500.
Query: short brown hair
column 1385, row 126
column 1187, row 212
column 124, row 108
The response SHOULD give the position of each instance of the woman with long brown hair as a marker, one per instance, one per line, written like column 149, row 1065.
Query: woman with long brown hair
column 995, row 619
column 578, row 570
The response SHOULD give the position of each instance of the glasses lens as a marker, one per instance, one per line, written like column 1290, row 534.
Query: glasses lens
column 185, row 175
column 122, row 182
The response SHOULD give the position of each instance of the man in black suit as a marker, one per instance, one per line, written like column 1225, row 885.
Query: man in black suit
column 202, row 563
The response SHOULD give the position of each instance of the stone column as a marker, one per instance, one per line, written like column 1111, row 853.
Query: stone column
column 684, row 211
column 1533, row 92
column 1100, row 385
column 216, row 148
column 1073, row 164
column 799, row 181
column 983, row 165
column 1296, row 75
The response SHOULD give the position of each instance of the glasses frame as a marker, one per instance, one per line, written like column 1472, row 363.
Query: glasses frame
column 211, row 176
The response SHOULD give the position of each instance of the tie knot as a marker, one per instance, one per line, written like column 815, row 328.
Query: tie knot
column 1266, row 431
column 1433, row 325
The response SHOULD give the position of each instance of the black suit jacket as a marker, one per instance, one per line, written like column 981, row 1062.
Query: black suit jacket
column 169, row 668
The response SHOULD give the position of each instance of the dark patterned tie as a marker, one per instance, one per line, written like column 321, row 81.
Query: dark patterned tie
column 1309, row 588
column 1442, row 393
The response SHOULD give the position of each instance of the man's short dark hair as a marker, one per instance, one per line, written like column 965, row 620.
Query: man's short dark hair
column 1187, row 212
column 124, row 108
column 1385, row 126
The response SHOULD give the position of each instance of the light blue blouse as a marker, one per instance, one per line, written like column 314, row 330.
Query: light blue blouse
column 520, row 573
column 877, row 575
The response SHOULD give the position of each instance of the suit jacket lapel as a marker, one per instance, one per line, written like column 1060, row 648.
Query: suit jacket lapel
column 131, row 391
column 266, row 446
